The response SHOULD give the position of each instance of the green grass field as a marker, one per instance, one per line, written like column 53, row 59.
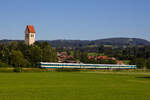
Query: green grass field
column 75, row 86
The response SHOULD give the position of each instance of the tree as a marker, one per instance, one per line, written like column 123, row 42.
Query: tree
column 35, row 55
column 148, row 63
column 41, row 44
column 139, row 62
column 84, row 57
column 14, row 45
column 68, row 52
column 49, row 54
column 77, row 54
column 5, row 52
column 16, row 59
column 102, row 61
column 92, row 61
column 101, row 49
column 2, row 64
column 110, row 61
column 22, row 47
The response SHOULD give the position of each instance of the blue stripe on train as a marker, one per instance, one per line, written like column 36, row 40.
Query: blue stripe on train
column 91, row 68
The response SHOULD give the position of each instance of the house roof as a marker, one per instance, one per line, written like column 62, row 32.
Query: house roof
column 31, row 29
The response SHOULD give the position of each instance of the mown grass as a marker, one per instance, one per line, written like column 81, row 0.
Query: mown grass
column 75, row 86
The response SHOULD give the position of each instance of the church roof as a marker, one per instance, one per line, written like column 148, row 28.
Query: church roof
column 31, row 29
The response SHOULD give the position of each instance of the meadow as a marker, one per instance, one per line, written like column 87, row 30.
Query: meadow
column 75, row 86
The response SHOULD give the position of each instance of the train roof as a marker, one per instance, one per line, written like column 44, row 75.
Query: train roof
column 85, row 64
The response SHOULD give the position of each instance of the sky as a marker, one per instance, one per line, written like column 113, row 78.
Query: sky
column 75, row 19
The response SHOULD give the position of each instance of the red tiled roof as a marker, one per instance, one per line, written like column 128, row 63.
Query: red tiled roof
column 31, row 29
column 119, row 62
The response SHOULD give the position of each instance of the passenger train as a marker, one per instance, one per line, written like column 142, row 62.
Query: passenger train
column 84, row 66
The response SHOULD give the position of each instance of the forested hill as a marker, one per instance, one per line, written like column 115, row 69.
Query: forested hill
column 109, row 41
column 122, row 41
column 87, row 43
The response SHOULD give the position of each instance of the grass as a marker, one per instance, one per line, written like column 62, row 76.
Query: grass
column 75, row 86
column 108, row 46
column 95, row 54
column 92, row 46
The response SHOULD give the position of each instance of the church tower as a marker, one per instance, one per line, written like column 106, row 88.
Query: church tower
column 29, row 35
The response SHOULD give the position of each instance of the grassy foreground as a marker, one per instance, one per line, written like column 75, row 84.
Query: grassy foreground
column 74, row 86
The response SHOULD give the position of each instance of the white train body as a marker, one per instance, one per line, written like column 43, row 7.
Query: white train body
column 85, row 66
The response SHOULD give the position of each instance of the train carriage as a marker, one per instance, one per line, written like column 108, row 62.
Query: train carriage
column 84, row 66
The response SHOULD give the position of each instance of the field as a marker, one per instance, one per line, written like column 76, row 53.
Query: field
column 75, row 86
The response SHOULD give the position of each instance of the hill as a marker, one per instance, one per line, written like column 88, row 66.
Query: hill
column 109, row 41
column 122, row 41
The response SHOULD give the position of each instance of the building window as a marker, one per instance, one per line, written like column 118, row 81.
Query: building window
column 32, row 35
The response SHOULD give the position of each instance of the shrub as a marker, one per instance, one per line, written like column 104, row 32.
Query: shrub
column 6, row 70
column 3, row 64
column 18, row 69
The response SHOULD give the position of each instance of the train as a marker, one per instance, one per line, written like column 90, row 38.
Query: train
column 84, row 66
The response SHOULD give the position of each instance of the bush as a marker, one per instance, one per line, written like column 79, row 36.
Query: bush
column 139, row 62
column 6, row 70
column 148, row 63
column 4, row 64
column 18, row 69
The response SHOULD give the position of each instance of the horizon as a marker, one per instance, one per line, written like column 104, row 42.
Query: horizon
column 75, row 20
column 76, row 39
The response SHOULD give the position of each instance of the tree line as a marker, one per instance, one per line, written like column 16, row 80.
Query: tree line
column 18, row 54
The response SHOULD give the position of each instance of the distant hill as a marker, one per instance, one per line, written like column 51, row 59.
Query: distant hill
column 109, row 41
column 7, row 41
column 87, row 43
column 122, row 41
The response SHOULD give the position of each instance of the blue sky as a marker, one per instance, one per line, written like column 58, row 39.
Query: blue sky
column 75, row 19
